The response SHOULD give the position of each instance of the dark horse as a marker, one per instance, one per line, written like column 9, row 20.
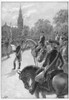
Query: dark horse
column 58, row 84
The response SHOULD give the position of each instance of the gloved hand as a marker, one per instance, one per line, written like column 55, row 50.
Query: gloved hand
column 46, row 68
column 39, row 70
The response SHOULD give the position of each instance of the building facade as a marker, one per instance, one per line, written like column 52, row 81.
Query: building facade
column 14, row 32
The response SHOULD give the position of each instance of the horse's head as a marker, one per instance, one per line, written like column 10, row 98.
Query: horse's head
column 27, row 75
column 24, row 78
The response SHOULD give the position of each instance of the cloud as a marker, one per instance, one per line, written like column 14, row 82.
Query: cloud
column 27, row 14
column 9, row 10
column 27, row 6
column 31, row 11
column 15, row 17
column 14, row 9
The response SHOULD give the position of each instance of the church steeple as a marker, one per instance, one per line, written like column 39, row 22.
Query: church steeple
column 20, row 20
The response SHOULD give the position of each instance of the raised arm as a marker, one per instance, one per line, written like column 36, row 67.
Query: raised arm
column 46, row 60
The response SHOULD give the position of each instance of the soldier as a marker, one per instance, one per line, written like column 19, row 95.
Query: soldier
column 7, row 47
column 40, row 45
column 49, row 66
column 18, row 56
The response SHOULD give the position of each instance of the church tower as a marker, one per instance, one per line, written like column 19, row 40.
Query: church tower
column 20, row 20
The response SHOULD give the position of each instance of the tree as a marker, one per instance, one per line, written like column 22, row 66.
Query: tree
column 61, row 26
column 26, row 31
column 61, row 17
column 61, row 23
column 42, row 27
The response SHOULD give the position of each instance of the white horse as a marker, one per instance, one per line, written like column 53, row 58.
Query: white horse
column 32, row 49
column 36, row 61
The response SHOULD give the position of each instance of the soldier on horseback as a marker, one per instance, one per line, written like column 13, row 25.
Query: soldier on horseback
column 49, row 67
column 39, row 51
column 54, row 62
column 40, row 45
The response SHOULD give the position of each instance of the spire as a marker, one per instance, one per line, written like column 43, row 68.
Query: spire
column 20, row 19
column 20, row 11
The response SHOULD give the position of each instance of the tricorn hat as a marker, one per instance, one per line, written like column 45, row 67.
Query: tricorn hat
column 54, row 41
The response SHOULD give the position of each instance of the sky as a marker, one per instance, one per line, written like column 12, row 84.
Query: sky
column 31, row 11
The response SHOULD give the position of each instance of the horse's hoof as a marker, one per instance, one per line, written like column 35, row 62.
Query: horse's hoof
column 60, row 96
column 31, row 91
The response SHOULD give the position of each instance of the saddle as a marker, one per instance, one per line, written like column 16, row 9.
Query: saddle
column 51, row 74
column 47, row 80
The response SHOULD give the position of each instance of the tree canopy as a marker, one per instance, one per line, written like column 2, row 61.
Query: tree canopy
column 42, row 27
column 61, row 23
column 61, row 17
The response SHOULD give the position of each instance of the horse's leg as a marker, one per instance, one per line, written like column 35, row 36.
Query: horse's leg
column 37, row 92
column 61, row 94
column 35, row 61
column 43, row 94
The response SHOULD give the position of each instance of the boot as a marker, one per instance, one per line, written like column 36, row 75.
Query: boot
column 48, row 86
column 48, row 83
column 32, row 89
column 14, row 66
column 19, row 65
column 8, row 55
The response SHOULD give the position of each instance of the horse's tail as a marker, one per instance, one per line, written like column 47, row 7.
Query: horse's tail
column 60, row 80
column 32, row 41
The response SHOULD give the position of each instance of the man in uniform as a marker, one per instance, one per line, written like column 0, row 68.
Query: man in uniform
column 7, row 47
column 18, row 56
column 49, row 66
column 40, row 45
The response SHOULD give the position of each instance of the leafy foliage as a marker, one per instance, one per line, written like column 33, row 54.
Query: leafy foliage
column 61, row 17
column 61, row 23
column 42, row 27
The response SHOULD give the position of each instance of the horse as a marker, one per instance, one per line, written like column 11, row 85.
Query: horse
column 37, row 59
column 32, row 48
column 58, row 83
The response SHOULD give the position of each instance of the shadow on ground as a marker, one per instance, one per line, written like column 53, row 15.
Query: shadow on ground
column 12, row 73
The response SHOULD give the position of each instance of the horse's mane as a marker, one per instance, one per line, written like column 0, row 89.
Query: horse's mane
column 30, row 67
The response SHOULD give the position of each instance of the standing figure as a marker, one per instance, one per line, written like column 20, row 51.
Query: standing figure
column 18, row 57
column 7, row 47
